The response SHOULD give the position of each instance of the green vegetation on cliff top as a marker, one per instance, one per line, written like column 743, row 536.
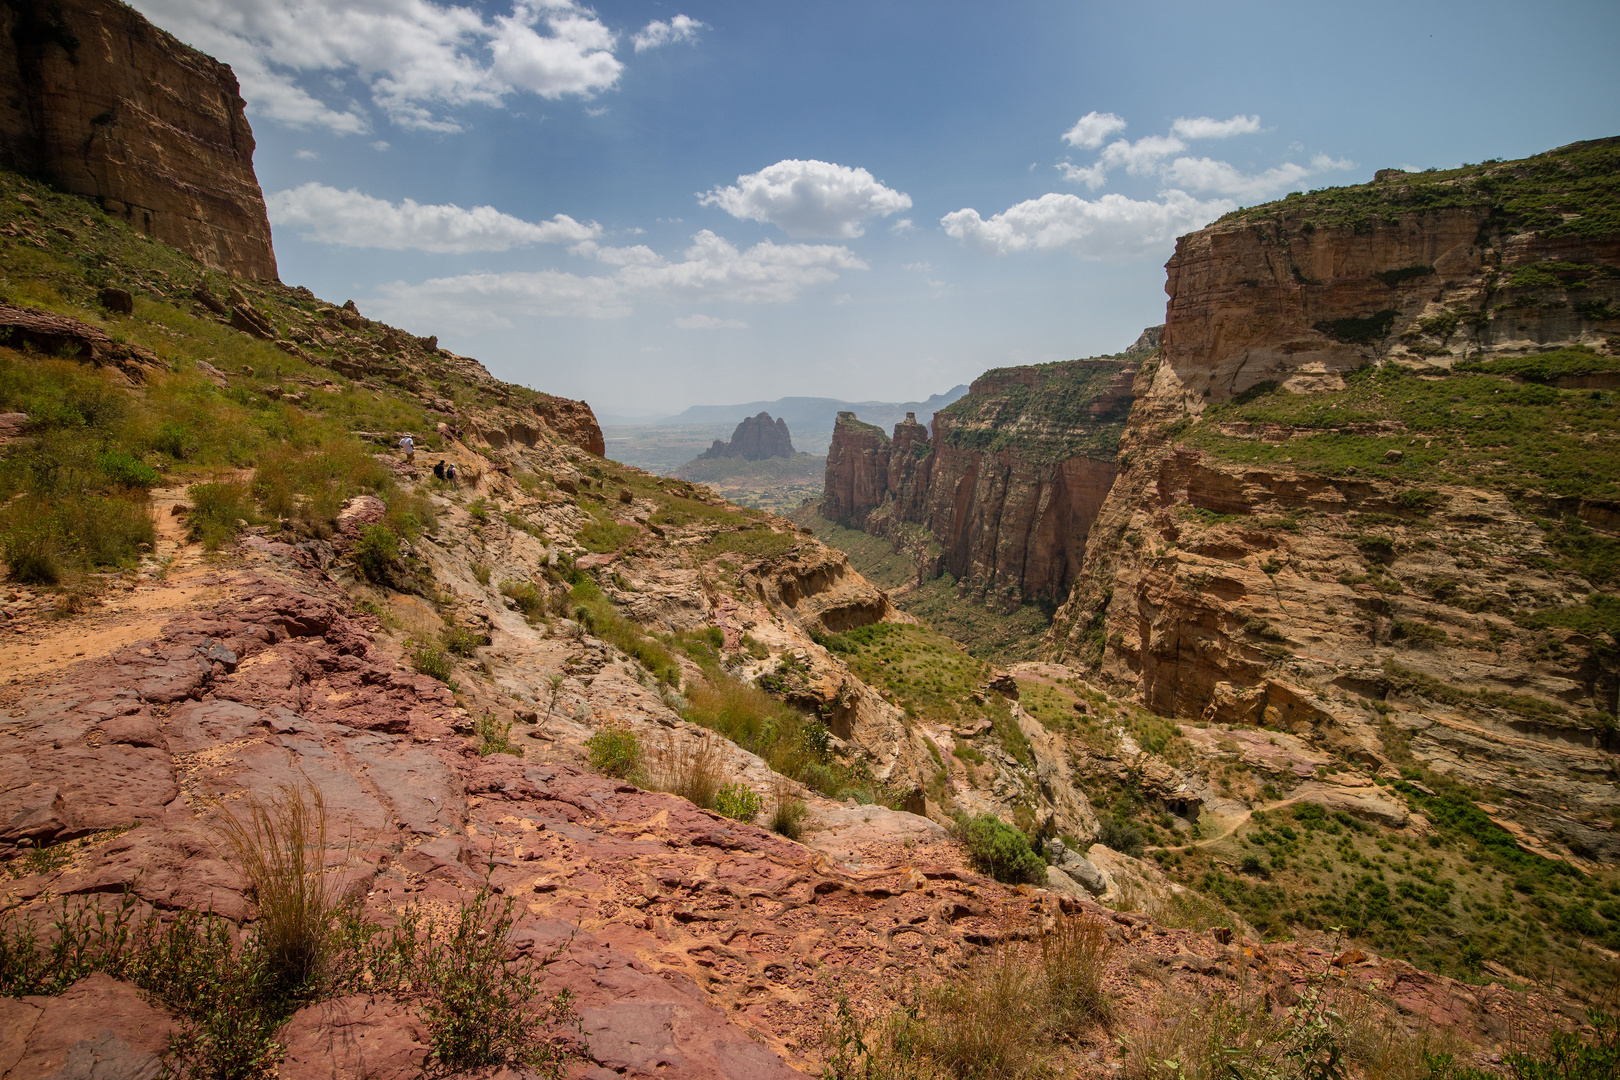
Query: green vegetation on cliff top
column 1571, row 191
column 1054, row 419
column 1471, row 427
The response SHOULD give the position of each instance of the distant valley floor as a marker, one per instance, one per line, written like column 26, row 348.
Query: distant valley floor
column 989, row 634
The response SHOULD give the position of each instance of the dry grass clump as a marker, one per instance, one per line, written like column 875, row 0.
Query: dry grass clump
column 1237, row 1034
column 689, row 767
column 281, row 847
column 788, row 811
column 1002, row 1017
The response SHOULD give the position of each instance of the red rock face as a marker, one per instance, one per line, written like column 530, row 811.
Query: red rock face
column 857, row 469
column 107, row 105
column 1012, row 520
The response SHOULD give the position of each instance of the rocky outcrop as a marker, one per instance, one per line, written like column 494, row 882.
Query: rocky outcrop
column 755, row 439
column 1007, row 485
column 59, row 335
column 819, row 588
column 106, row 105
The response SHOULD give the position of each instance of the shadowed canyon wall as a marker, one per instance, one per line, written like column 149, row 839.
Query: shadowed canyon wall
column 1007, row 483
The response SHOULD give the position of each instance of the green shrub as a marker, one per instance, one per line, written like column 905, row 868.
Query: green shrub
column 1121, row 835
column 32, row 553
column 478, row 510
column 1418, row 635
column 432, row 662
column 614, row 752
column 216, row 511
column 175, row 439
column 494, row 737
column 998, row 849
column 461, row 641
column 127, row 470
column 376, row 555
column 477, row 1004
column 738, row 801
column 531, row 601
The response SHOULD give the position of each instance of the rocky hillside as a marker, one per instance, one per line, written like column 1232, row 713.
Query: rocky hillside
column 1368, row 494
column 102, row 103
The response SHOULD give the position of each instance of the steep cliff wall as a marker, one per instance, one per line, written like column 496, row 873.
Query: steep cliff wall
column 1370, row 489
column 1009, row 482
column 102, row 103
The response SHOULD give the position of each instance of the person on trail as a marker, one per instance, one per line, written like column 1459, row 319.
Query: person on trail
column 451, row 474
column 438, row 470
column 408, row 445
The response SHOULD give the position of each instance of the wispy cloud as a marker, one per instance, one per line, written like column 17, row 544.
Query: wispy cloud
column 712, row 269
column 708, row 322
column 658, row 33
column 1204, row 127
column 354, row 219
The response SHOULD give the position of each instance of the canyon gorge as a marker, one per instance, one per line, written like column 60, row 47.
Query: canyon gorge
column 1320, row 707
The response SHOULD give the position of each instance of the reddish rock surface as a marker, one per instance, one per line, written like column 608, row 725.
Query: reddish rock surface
column 109, row 106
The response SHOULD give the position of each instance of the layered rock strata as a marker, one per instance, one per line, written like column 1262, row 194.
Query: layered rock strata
column 106, row 105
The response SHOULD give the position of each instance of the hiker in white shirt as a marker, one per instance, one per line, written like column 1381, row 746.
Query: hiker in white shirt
column 409, row 446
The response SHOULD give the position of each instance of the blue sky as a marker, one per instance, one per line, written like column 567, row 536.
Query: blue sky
column 654, row 205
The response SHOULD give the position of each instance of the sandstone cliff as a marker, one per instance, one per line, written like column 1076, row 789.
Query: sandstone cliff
column 1007, row 484
column 1356, row 502
column 102, row 103
column 755, row 439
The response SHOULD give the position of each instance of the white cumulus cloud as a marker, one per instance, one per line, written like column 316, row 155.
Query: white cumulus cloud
column 354, row 219
column 712, row 269
column 1111, row 226
column 413, row 58
column 1093, row 176
column 1091, row 129
column 1205, row 127
column 659, row 33
column 809, row 198
column 1142, row 155
column 708, row 322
